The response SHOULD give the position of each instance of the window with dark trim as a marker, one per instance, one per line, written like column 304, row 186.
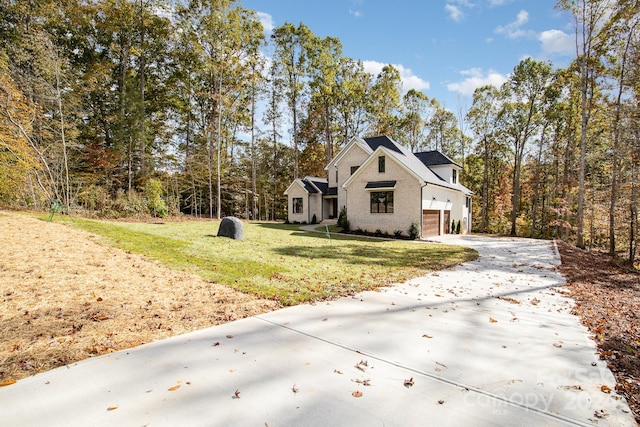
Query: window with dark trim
column 455, row 177
column 381, row 164
column 354, row 169
column 297, row 205
column 382, row 202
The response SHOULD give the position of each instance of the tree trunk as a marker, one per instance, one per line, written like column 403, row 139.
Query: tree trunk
column 66, row 195
column 485, row 188
column 536, row 190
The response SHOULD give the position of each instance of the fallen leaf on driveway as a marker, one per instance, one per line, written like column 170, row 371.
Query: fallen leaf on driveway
column 174, row 388
column 605, row 389
column 408, row 383
column 7, row 382
column 112, row 408
column 601, row 413
column 426, row 336
column 492, row 320
column 356, row 393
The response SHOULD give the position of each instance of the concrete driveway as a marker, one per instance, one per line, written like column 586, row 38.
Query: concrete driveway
column 490, row 342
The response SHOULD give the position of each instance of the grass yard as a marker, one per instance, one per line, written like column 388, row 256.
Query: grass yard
column 68, row 295
column 278, row 261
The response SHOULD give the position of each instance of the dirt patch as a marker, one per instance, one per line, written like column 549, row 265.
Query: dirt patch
column 607, row 300
column 65, row 298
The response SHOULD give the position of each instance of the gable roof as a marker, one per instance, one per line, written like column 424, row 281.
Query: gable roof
column 354, row 142
column 321, row 184
column 434, row 158
column 311, row 185
column 410, row 162
column 377, row 141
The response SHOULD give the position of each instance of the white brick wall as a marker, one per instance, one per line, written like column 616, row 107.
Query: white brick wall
column 406, row 199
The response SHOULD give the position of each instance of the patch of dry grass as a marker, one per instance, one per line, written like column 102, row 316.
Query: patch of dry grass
column 65, row 298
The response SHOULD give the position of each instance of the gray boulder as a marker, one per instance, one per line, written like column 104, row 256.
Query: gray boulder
column 231, row 227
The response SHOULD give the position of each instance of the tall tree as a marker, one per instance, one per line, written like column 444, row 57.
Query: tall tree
column 384, row 102
column 351, row 93
column 617, row 37
column 444, row 134
column 324, row 61
column 482, row 117
column 415, row 104
column 291, row 52
column 520, row 116
column 588, row 17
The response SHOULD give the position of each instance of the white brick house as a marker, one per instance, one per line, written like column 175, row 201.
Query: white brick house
column 385, row 187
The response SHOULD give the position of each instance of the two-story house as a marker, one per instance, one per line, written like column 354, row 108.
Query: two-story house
column 384, row 187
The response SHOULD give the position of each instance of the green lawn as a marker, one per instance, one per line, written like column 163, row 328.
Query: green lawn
column 279, row 261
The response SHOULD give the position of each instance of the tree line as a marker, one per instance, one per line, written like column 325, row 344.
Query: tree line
column 137, row 107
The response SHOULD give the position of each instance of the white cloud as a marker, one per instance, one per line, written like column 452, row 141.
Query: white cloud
column 556, row 42
column 266, row 20
column 496, row 3
column 513, row 29
column 475, row 78
column 455, row 12
column 409, row 80
column 355, row 13
column 465, row 3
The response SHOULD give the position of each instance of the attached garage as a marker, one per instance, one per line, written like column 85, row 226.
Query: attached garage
column 447, row 222
column 430, row 223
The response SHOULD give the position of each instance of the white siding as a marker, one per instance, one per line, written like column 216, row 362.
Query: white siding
column 440, row 198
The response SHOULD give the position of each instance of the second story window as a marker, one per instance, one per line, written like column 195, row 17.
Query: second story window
column 381, row 165
column 454, row 177
column 353, row 169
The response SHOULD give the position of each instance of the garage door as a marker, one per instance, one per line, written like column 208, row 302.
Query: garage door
column 430, row 223
column 447, row 222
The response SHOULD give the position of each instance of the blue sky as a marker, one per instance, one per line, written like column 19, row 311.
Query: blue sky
column 446, row 48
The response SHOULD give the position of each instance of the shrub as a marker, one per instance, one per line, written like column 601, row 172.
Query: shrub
column 153, row 195
column 343, row 222
column 453, row 226
column 458, row 227
column 414, row 231
column 314, row 220
column 378, row 232
column 397, row 234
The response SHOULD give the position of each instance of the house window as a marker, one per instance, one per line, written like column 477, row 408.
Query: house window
column 336, row 177
column 381, row 164
column 382, row 202
column 468, row 202
column 454, row 178
column 297, row 205
column 354, row 169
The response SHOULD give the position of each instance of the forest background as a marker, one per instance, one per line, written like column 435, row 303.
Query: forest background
column 123, row 108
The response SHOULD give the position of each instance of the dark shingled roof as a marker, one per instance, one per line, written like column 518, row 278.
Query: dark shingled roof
column 322, row 186
column 434, row 158
column 376, row 141
column 310, row 188
column 381, row 184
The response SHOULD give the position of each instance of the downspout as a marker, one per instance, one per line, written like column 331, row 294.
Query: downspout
column 421, row 216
